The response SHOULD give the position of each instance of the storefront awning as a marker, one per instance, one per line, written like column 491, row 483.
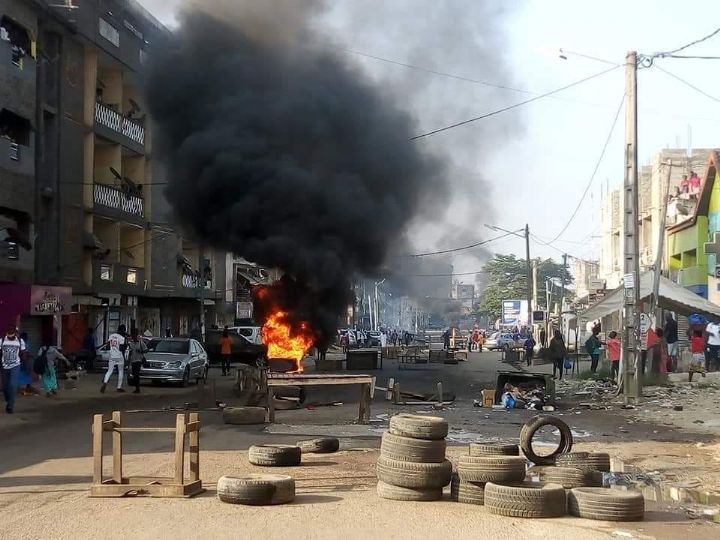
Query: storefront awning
column 672, row 297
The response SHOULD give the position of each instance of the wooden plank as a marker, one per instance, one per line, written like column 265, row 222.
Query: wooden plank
column 145, row 429
column 270, row 404
column 117, row 447
column 364, row 412
column 194, row 428
column 97, row 432
column 307, row 381
column 180, row 448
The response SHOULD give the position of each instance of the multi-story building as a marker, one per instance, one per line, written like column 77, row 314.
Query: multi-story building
column 465, row 294
column 653, row 193
column 88, row 237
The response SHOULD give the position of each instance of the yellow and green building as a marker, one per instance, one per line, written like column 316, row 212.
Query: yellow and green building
column 696, row 224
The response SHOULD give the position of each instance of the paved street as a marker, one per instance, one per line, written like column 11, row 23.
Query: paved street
column 45, row 457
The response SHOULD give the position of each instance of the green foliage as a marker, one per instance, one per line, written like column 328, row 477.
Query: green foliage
column 507, row 280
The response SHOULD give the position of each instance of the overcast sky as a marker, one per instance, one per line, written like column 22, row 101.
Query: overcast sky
column 531, row 164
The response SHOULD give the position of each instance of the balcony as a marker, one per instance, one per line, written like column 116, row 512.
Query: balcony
column 117, row 203
column 124, row 130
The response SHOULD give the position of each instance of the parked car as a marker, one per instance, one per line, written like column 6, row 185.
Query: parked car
column 373, row 338
column 247, row 346
column 178, row 360
column 103, row 356
column 500, row 341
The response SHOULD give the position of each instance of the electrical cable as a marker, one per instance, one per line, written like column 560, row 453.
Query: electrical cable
column 705, row 38
column 676, row 77
column 592, row 176
column 453, row 250
column 513, row 106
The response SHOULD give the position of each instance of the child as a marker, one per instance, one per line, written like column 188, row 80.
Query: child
column 613, row 353
column 697, row 361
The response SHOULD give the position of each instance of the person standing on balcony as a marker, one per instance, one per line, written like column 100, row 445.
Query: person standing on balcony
column 118, row 345
column 225, row 351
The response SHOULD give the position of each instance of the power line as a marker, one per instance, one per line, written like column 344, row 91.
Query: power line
column 592, row 176
column 447, row 275
column 453, row 250
column 678, row 78
column 513, row 106
column 688, row 57
column 668, row 53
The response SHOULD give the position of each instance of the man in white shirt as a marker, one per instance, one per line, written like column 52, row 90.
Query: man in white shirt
column 12, row 348
column 712, row 336
column 117, row 343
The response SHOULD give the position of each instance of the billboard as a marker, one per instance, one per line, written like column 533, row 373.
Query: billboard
column 514, row 313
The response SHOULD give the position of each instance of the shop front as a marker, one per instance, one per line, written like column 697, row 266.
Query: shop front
column 36, row 310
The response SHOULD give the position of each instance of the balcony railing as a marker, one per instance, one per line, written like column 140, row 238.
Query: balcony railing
column 192, row 280
column 118, row 200
column 111, row 119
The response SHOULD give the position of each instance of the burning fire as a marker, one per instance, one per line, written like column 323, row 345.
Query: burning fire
column 278, row 336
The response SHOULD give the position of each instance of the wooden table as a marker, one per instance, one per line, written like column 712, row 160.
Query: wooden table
column 366, row 382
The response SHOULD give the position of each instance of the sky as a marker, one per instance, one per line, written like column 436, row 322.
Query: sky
column 530, row 164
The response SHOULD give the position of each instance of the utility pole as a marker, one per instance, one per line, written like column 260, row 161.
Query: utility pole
column 661, row 240
column 564, row 278
column 528, row 264
column 631, row 267
column 201, row 284
column 535, row 285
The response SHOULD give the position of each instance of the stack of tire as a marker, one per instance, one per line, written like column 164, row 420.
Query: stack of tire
column 412, row 464
column 494, row 474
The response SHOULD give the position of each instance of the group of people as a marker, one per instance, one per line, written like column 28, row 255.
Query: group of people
column 19, row 369
column 122, row 347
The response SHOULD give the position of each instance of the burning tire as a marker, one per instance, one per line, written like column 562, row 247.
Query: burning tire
column 432, row 428
column 567, row 477
column 528, row 432
column 396, row 493
column 606, row 504
column 243, row 416
column 526, row 500
column 467, row 492
column 494, row 449
column 491, row 468
column 323, row 445
column 409, row 474
column 275, row 455
column 256, row 489
column 415, row 450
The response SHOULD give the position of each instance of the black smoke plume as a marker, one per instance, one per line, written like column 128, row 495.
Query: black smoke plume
column 280, row 150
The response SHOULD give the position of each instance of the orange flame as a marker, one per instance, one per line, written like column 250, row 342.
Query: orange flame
column 277, row 335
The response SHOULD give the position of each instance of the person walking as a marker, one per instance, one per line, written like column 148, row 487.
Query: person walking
column 225, row 351
column 558, row 351
column 49, row 356
column 712, row 333
column 697, row 348
column 12, row 348
column 25, row 378
column 671, row 337
column 529, row 347
column 613, row 353
column 543, row 338
column 89, row 348
column 118, row 345
column 136, row 355
column 593, row 346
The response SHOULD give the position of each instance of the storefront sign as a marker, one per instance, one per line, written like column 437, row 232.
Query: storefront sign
column 50, row 300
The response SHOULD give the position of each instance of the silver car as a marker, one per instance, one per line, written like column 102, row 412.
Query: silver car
column 177, row 360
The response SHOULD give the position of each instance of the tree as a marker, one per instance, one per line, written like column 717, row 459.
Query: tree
column 506, row 278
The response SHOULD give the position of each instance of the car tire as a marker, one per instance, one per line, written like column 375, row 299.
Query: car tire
column 567, row 477
column 256, row 489
column 467, row 492
column 244, row 416
column 274, row 455
column 526, row 500
column 491, row 468
column 413, row 450
column 397, row 493
column 432, row 428
column 606, row 504
column 413, row 475
column 323, row 445
column 577, row 460
column 532, row 426
column 494, row 449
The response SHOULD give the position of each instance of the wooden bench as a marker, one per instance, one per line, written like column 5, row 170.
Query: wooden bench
column 366, row 382
column 411, row 356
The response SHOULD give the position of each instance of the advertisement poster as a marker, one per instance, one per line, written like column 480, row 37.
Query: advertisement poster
column 514, row 313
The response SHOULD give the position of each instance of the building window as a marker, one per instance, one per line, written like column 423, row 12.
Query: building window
column 16, row 129
column 132, row 276
column 109, row 32
column 106, row 272
column 18, row 38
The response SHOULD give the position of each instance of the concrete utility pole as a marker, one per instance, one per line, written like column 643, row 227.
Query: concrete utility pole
column 201, row 284
column 562, row 289
column 528, row 265
column 631, row 268
column 661, row 240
